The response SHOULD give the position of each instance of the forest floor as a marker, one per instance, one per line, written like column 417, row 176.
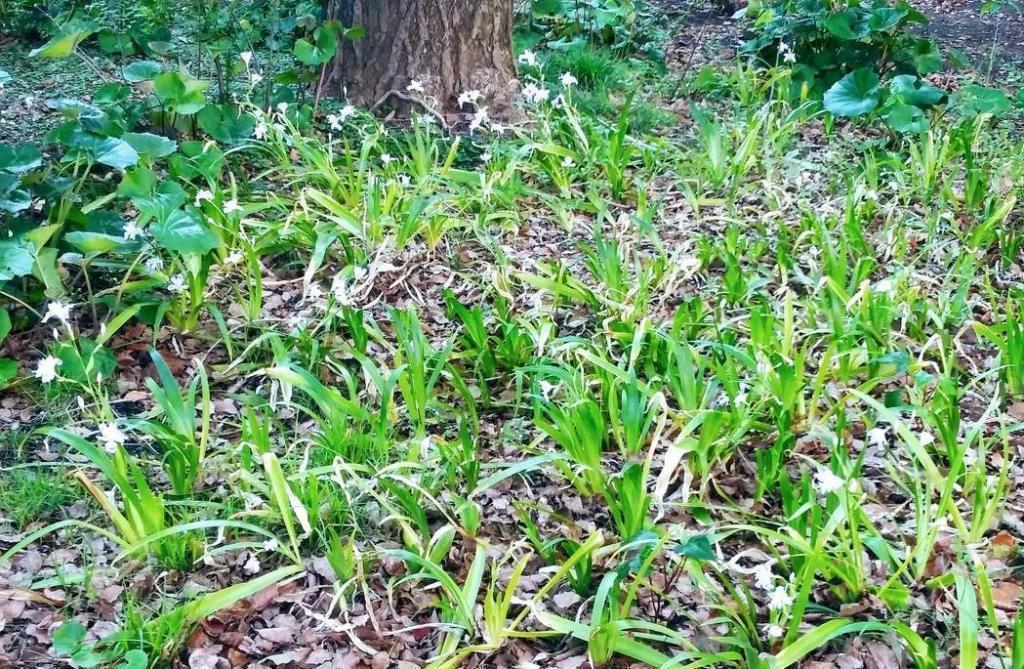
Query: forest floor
column 992, row 43
column 820, row 256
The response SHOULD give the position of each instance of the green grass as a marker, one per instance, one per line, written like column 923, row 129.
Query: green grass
column 34, row 495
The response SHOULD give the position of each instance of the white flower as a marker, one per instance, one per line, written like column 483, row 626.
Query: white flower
column 386, row 159
column 282, row 107
column 826, row 481
column 155, row 264
column 535, row 94
column 415, row 86
column 877, row 436
column 131, row 231
column 763, row 576
column 111, row 436
column 779, row 599
column 246, row 57
column 261, row 130
column 774, row 631
column 469, row 98
column 251, row 566
column 59, row 311
column 314, row 293
column 528, row 58
column 926, row 438
column 270, row 545
column 479, row 118
column 337, row 121
column 568, row 80
column 202, row 195
column 568, row 162
column 486, row 156
column 47, row 369
column 255, row 78
column 233, row 258
column 404, row 180
column 297, row 322
column 231, row 206
column 787, row 53
column 177, row 284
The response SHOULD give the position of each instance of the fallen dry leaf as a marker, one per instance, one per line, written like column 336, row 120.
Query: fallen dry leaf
column 1007, row 595
column 1003, row 545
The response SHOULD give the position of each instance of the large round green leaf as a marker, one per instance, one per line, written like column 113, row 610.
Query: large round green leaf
column 142, row 70
column 116, row 153
column 19, row 159
column 882, row 19
column 90, row 116
column 93, row 242
column 139, row 182
column 16, row 259
column 181, row 91
column 226, row 123
column 976, row 100
column 925, row 54
column 12, row 198
column 115, row 43
column 63, row 44
column 150, row 145
column 184, row 232
column 907, row 119
column 320, row 51
column 855, row 94
column 168, row 197
column 847, row 25
column 913, row 91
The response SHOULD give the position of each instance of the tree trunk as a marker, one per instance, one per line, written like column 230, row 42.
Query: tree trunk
column 449, row 46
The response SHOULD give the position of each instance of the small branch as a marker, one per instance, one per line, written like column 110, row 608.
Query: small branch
column 689, row 59
column 320, row 86
column 92, row 65
column 409, row 98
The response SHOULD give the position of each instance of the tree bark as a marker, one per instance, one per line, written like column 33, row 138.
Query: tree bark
column 450, row 46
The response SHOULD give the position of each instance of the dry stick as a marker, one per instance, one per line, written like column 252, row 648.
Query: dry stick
column 319, row 87
column 409, row 98
column 689, row 59
column 92, row 65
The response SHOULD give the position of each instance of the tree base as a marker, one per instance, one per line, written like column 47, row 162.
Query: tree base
column 448, row 47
